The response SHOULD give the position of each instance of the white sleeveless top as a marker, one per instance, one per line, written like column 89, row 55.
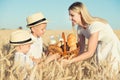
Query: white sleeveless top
column 108, row 43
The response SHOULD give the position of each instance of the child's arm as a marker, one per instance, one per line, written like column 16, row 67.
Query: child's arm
column 52, row 57
column 36, row 60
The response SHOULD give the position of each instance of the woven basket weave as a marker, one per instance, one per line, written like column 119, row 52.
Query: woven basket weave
column 63, row 50
column 55, row 49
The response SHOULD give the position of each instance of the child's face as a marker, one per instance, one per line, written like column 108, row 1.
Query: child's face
column 25, row 48
column 39, row 30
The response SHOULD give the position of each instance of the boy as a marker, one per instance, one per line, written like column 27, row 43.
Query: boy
column 21, row 40
column 37, row 24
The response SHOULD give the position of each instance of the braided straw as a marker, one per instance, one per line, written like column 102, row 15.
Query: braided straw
column 63, row 36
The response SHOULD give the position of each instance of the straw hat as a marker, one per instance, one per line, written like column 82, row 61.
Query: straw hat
column 20, row 37
column 35, row 19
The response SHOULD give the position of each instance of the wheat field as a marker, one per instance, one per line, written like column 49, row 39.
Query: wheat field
column 84, row 70
column 4, row 35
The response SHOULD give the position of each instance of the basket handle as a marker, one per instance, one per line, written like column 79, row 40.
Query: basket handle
column 63, row 36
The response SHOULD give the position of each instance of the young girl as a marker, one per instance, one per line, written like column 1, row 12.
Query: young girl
column 102, row 41
column 21, row 40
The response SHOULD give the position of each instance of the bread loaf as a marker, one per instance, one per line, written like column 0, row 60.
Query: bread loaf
column 71, row 41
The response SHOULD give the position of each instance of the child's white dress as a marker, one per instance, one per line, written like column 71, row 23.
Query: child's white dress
column 108, row 43
column 36, row 49
column 22, row 59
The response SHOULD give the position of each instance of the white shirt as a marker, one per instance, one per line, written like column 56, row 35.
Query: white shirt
column 36, row 48
column 22, row 59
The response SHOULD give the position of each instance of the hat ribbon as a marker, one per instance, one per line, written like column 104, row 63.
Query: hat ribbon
column 37, row 22
column 21, row 41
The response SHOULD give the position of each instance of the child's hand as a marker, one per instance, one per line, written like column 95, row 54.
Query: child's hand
column 35, row 60
column 31, row 57
column 52, row 57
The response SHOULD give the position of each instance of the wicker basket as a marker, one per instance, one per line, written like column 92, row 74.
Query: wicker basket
column 64, row 49
column 56, row 49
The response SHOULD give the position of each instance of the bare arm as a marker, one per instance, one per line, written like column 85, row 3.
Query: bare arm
column 52, row 57
column 92, row 44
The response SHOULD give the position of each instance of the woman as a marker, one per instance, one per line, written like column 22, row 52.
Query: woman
column 102, row 41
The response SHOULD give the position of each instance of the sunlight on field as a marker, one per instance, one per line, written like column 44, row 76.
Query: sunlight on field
column 84, row 70
column 4, row 34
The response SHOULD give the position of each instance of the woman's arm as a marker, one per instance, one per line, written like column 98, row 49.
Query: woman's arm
column 92, row 44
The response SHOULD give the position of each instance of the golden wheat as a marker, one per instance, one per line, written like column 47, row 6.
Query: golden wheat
column 55, row 70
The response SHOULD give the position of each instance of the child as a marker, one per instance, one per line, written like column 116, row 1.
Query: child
column 21, row 40
column 37, row 24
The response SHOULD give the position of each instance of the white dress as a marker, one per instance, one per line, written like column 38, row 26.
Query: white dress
column 22, row 59
column 108, row 43
column 36, row 49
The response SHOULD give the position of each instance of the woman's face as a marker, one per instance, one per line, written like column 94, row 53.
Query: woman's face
column 75, row 17
column 39, row 30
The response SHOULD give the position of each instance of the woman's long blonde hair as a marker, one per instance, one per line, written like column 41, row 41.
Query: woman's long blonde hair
column 81, row 9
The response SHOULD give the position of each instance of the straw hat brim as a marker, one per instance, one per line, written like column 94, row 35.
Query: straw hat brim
column 21, row 43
